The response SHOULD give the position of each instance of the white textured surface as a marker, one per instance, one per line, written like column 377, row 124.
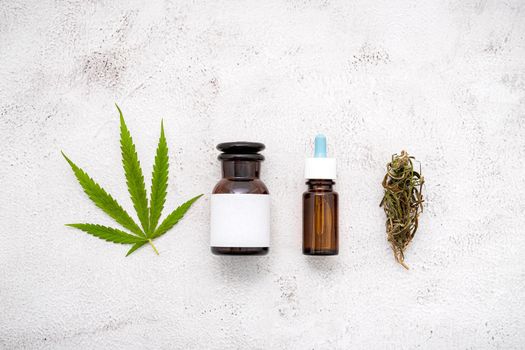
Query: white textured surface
column 443, row 79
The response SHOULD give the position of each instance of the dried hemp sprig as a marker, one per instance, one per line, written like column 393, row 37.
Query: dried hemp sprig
column 402, row 202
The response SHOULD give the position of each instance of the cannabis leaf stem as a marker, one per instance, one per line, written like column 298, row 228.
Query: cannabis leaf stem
column 149, row 216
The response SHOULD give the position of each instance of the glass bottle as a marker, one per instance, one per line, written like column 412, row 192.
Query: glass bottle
column 320, row 218
column 240, row 202
column 320, row 204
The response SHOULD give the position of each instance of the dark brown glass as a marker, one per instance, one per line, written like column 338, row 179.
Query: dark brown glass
column 320, row 219
column 240, row 176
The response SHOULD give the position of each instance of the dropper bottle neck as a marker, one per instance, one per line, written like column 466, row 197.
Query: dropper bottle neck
column 320, row 185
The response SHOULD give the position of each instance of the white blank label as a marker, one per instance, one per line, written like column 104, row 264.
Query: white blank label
column 240, row 220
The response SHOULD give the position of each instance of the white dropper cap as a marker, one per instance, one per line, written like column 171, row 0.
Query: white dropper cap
column 320, row 167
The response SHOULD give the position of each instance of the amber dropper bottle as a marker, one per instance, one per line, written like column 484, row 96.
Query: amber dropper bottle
column 320, row 201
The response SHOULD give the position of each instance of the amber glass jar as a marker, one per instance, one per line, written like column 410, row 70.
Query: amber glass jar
column 240, row 202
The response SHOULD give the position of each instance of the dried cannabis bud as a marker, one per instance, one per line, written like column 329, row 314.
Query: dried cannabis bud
column 402, row 202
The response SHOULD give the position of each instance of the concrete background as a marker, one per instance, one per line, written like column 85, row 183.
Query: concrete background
column 443, row 79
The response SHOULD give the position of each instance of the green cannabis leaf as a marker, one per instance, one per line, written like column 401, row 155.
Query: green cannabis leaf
column 149, row 216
